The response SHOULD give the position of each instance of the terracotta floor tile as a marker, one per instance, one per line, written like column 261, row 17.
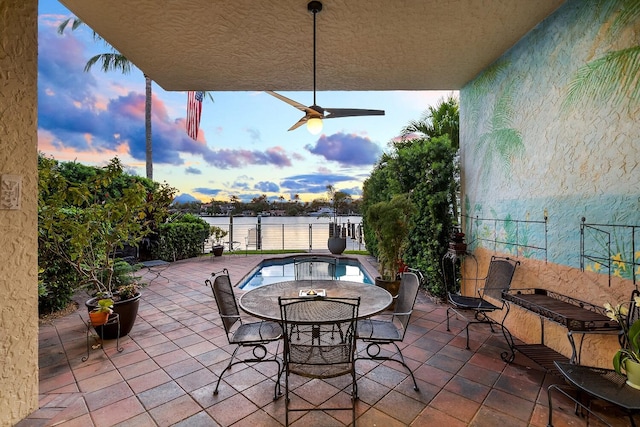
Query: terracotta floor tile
column 433, row 417
column 117, row 412
column 445, row 363
column 400, row 407
column 316, row 392
column 231, row 410
column 433, row 375
column 167, row 371
column 171, row 357
column 518, row 387
column 100, row 381
column 183, row 367
column 202, row 418
column 509, row 404
column 478, row 374
column 175, row 410
column 108, row 395
column 489, row 418
column 160, row 395
column 467, row 388
column 196, row 379
column 456, row 405
column 148, row 381
column 242, row 377
column 140, row 368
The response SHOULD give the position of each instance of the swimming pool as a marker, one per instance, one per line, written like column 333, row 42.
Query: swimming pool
column 281, row 269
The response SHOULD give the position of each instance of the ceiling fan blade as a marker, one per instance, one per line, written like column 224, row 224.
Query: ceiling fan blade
column 288, row 101
column 299, row 123
column 333, row 113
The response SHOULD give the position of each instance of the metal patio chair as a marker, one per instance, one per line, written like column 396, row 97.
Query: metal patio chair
column 314, row 351
column 380, row 331
column 255, row 335
column 498, row 280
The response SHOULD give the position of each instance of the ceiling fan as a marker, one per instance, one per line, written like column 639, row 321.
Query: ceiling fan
column 314, row 114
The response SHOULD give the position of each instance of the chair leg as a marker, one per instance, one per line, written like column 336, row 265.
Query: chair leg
column 215, row 391
column 277, row 392
column 373, row 353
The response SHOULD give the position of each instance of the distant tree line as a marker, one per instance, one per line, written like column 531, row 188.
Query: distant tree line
column 262, row 205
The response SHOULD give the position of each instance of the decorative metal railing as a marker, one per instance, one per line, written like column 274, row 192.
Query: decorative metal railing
column 522, row 237
column 610, row 249
column 307, row 237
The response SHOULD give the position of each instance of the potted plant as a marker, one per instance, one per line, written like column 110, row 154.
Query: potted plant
column 390, row 222
column 85, row 227
column 217, row 234
column 100, row 314
column 337, row 241
column 628, row 357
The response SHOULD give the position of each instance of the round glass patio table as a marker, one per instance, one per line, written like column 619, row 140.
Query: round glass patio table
column 262, row 302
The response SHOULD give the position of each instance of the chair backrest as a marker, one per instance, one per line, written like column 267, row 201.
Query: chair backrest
column 407, row 295
column 315, row 268
column 499, row 276
column 225, row 299
column 319, row 334
column 252, row 238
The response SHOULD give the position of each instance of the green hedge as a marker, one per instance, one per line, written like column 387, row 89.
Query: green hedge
column 181, row 239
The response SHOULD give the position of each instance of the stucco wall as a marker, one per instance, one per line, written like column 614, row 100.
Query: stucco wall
column 18, row 228
column 550, row 129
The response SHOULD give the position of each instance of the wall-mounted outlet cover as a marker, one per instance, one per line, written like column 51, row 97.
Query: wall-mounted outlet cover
column 10, row 191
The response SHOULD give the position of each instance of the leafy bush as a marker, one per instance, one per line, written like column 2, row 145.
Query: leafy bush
column 86, row 215
column 183, row 238
column 427, row 169
column 57, row 282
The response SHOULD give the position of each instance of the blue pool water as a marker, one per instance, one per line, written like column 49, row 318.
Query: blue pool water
column 280, row 270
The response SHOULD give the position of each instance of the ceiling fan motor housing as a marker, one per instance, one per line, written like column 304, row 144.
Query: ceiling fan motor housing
column 314, row 6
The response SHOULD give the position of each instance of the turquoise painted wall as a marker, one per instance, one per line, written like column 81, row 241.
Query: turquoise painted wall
column 552, row 128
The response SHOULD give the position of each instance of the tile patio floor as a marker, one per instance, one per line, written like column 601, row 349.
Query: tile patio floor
column 166, row 373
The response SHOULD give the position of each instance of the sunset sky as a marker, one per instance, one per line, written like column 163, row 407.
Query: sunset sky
column 243, row 148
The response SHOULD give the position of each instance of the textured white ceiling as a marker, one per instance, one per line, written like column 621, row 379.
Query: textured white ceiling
column 237, row 45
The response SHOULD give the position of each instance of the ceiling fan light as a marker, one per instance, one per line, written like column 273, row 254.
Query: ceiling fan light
column 314, row 125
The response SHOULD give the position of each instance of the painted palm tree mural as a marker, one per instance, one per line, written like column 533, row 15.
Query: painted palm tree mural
column 613, row 77
column 501, row 143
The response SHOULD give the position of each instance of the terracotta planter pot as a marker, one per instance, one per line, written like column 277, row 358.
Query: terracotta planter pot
column 633, row 373
column 98, row 318
column 128, row 311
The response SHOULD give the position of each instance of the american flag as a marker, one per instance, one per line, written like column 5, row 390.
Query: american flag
column 194, row 110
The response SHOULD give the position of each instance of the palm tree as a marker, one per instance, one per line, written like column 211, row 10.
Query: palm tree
column 443, row 119
column 115, row 61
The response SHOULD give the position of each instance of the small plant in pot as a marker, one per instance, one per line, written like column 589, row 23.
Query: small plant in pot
column 391, row 223
column 217, row 234
column 100, row 314
column 627, row 358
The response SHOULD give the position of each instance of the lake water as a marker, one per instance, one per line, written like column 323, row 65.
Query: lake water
column 288, row 232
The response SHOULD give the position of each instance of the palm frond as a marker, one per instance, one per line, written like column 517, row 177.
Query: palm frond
column 110, row 62
column 628, row 12
column 502, row 111
column 612, row 77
